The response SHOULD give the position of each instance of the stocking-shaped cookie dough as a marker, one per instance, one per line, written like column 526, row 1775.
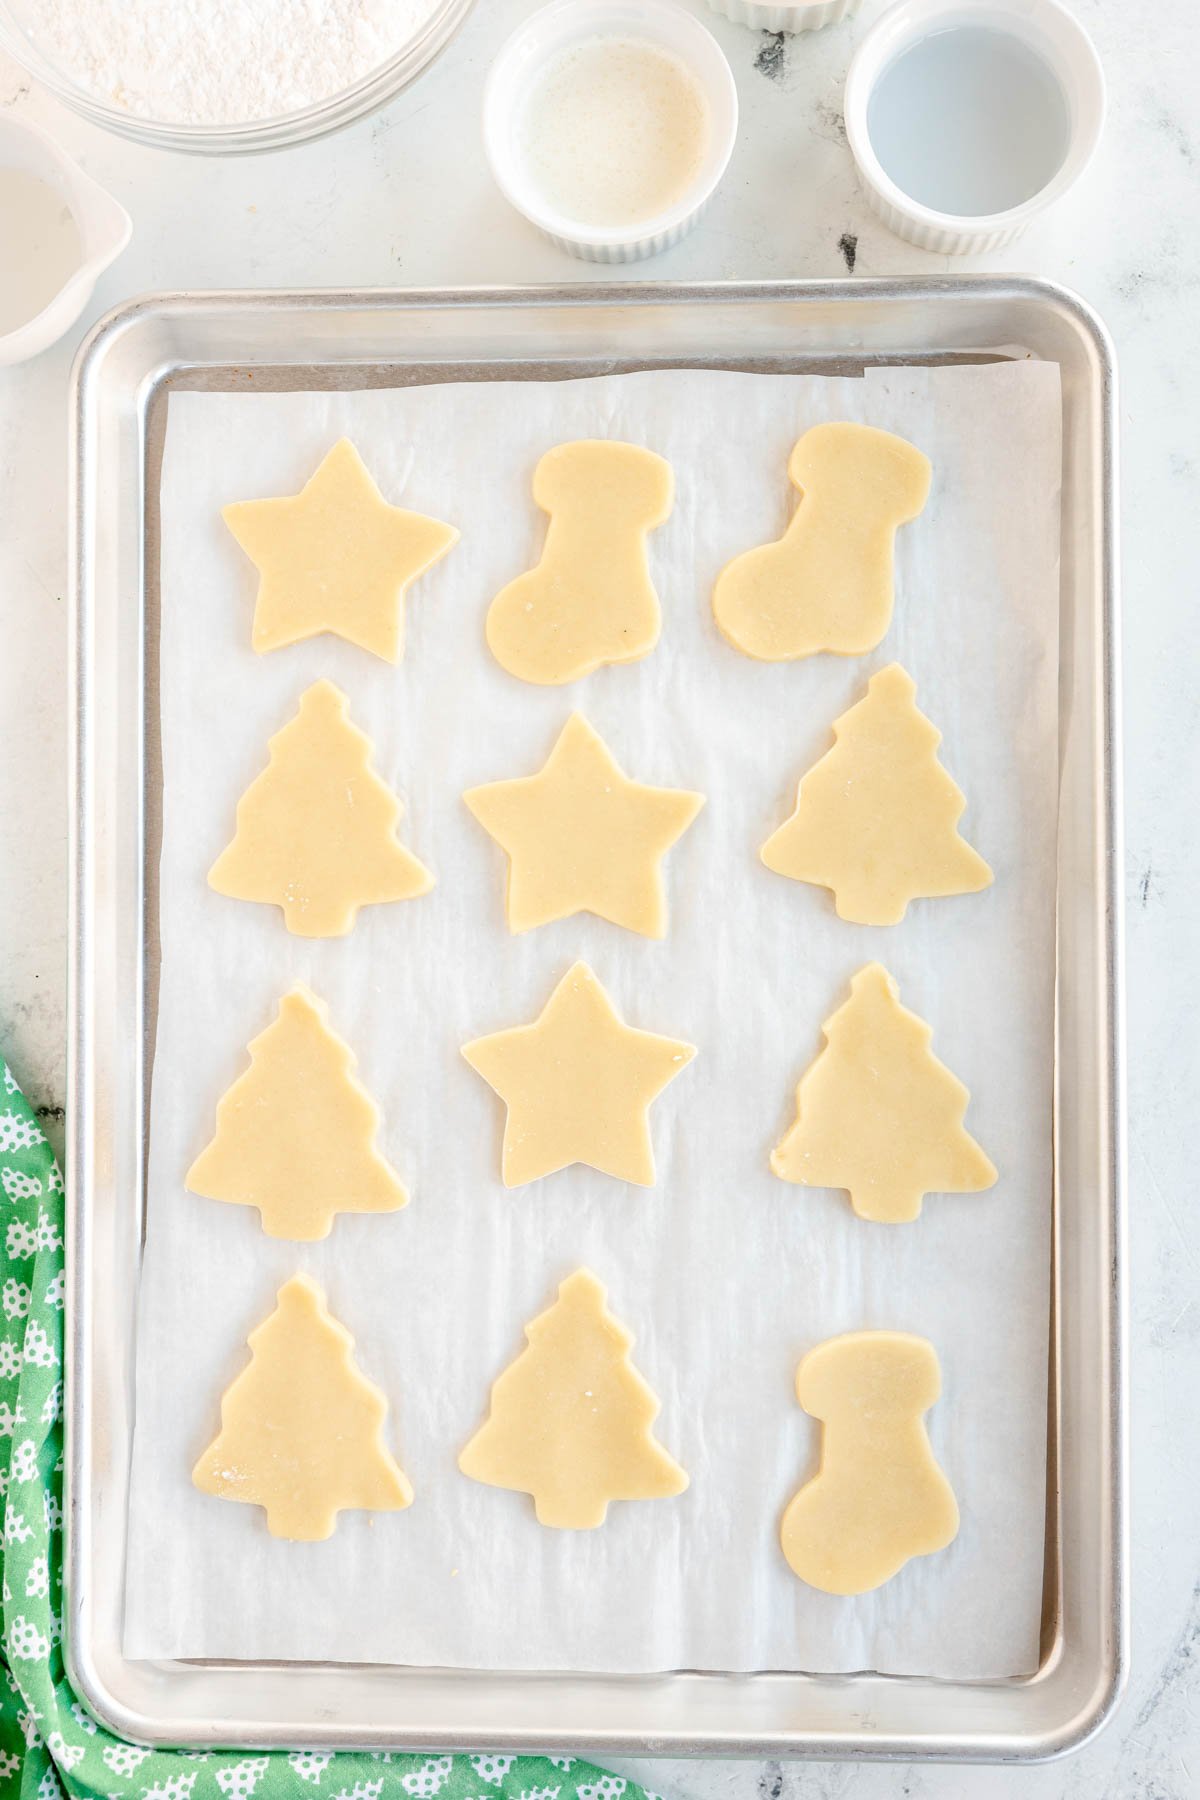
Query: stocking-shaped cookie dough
column 876, row 819
column 878, row 1114
column 826, row 584
column 590, row 599
column 301, row 1428
column 316, row 831
column 570, row 1418
column 295, row 1134
column 879, row 1496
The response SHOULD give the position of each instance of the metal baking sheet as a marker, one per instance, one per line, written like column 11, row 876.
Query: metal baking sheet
column 226, row 342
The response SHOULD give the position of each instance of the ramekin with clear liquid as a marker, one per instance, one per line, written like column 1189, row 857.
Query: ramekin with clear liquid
column 1057, row 41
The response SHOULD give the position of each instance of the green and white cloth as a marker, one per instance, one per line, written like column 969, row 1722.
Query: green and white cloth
column 49, row 1744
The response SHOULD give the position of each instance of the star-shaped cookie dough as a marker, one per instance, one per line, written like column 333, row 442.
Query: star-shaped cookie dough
column 582, row 837
column 335, row 557
column 578, row 1084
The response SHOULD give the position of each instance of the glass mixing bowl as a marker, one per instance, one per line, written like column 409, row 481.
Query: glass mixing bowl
column 18, row 36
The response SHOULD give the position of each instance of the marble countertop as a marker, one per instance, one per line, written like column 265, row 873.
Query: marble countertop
column 404, row 198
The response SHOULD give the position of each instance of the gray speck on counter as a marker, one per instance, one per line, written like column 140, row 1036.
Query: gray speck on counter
column 771, row 60
column 827, row 121
column 1170, row 128
column 848, row 245
column 770, row 1782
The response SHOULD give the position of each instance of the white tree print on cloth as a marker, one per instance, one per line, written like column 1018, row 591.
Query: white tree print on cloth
column 124, row 1759
column 492, row 1768
column 240, row 1781
column 24, row 1461
column 19, row 1132
column 310, row 1765
column 173, row 1786
column 67, row 1756
column 429, row 1779
column 18, row 1186
column 39, row 1346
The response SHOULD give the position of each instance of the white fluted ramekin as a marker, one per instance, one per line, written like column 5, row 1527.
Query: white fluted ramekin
column 567, row 22
column 1045, row 27
column 787, row 15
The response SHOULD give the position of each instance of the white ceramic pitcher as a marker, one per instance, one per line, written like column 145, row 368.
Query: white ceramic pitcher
column 104, row 230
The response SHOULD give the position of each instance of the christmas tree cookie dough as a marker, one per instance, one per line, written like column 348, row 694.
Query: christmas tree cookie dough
column 582, row 837
column 316, row 831
column 295, row 1134
column 335, row 557
column 879, row 1496
column 570, row 1419
column 590, row 599
column 301, row 1428
column 876, row 819
column 578, row 1084
column 878, row 1114
column 826, row 584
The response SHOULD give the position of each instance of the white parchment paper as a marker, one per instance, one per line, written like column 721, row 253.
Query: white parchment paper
column 726, row 1274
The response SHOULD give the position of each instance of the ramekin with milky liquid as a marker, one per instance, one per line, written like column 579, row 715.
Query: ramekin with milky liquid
column 556, row 28
column 1043, row 26
column 786, row 15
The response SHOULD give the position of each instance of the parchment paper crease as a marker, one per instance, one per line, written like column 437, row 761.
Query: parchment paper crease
column 726, row 1274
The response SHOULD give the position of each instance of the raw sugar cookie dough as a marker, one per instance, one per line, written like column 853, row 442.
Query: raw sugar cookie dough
column 879, row 1496
column 316, row 831
column 878, row 1115
column 827, row 583
column 578, row 1085
column 335, row 557
column 301, row 1427
column 570, row 1419
column 725, row 1273
column 876, row 819
column 580, row 836
column 590, row 599
column 295, row 1134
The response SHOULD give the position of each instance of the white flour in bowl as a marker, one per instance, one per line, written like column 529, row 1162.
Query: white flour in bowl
column 222, row 62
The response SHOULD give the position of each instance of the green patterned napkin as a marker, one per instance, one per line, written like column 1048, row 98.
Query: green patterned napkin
column 49, row 1745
